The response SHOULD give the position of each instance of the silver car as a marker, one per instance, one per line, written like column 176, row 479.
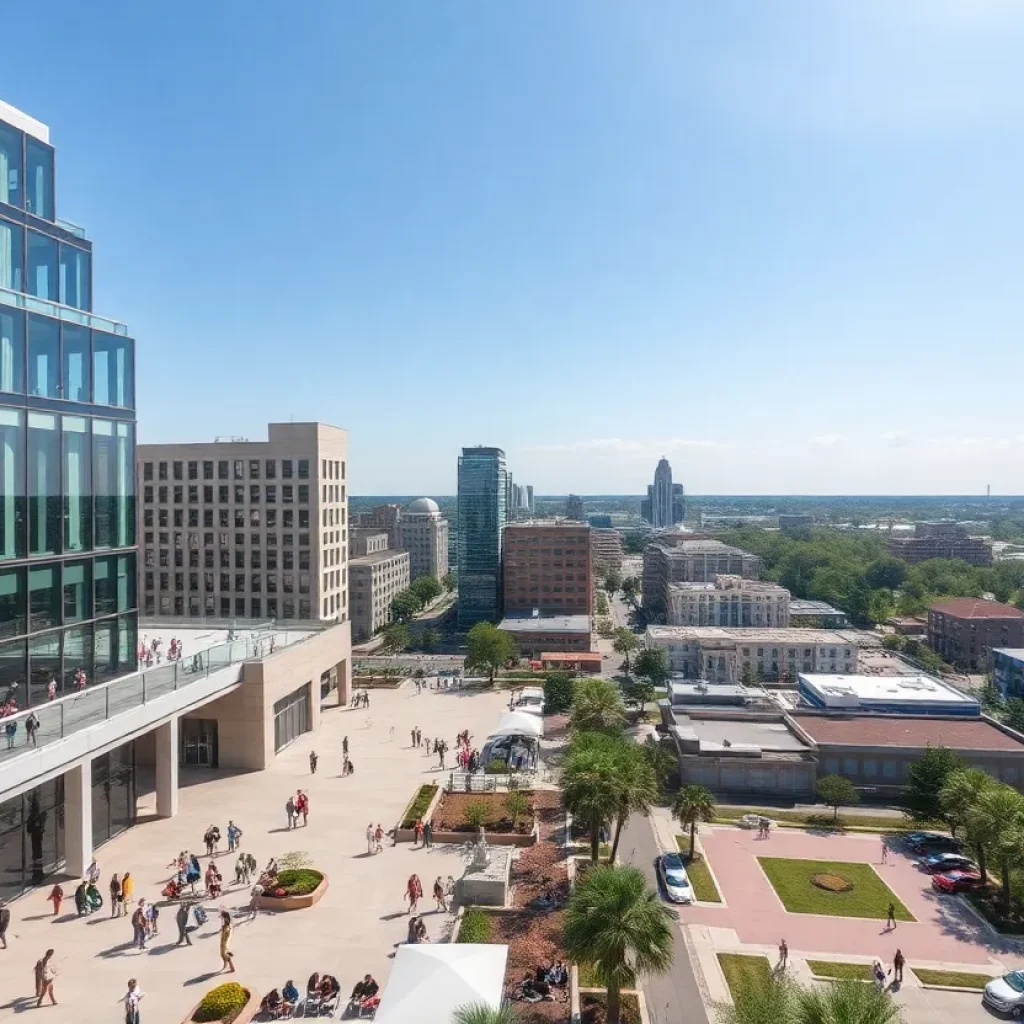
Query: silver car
column 674, row 878
column 1006, row 994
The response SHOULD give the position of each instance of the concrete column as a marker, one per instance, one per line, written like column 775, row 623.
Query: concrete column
column 78, row 818
column 167, row 769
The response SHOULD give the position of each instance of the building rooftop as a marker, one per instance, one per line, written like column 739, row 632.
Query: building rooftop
column 377, row 556
column 423, row 506
column 738, row 732
column 907, row 732
column 781, row 636
column 801, row 606
column 21, row 120
column 725, row 582
column 700, row 547
column 528, row 623
column 1010, row 652
column 548, row 524
column 692, row 688
column 976, row 608
column 883, row 689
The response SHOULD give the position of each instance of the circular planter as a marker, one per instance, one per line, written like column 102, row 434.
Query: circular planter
column 246, row 1014
column 279, row 903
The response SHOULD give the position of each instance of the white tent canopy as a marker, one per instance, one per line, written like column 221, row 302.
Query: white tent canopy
column 429, row 981
column 519, row 723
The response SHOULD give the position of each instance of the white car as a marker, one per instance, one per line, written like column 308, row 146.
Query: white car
column 1006, row 994
column 673, row 877
column 753, row 821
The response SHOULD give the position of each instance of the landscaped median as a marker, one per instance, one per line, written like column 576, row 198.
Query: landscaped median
column 951, row 979
column 837, row 888
column 726, row 814
column 742, row 970
column 420, row 808
column 508, row 818
column 699, row 873
column 840, row 971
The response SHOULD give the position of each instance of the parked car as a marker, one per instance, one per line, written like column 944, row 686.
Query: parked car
column 932, row 842
column 956, row 881
column 1006, row 994
column 674, row 878
column 753, row 821
column 940, row 863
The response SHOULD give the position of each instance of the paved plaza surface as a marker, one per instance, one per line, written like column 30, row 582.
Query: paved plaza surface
column 351, row 931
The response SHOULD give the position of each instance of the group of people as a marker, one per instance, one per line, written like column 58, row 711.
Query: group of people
column 150, row 653
column 423, row 833
column 360, row 699
column 7, row 710
column 442, row 892
column 374, row 838
column 87, row 895
column 296, row 806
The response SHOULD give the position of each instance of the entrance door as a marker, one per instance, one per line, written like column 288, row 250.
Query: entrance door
column 198, row 742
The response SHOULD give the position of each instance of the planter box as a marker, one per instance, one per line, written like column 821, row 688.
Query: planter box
column 292, row 902
column 408, row 835
column 245, row 1015
column 493, row 838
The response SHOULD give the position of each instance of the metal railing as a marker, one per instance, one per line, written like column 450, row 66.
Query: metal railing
column 19, row 300
column 95, row 704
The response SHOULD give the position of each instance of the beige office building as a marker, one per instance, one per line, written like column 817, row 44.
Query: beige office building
column 606, row 549
column 239, row 529
column 376, row 580
column 728, row 601
column 423, row 532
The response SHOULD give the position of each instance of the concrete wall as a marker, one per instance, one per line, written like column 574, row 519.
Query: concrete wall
column 765, row 776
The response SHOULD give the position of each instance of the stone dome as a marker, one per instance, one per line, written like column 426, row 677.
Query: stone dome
column 423, row 506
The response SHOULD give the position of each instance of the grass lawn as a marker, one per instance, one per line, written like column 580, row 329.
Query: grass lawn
column 834, row 969
column 869, row 897
column 959, row 979
column 822, row 819
column 741, row 970
column 704, row 887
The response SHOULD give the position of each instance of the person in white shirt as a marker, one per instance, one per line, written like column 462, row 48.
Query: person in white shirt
column 132, row 998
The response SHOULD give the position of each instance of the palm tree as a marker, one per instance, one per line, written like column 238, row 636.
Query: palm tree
column 760, row 1004
column 1001, row 809
column 597, row 707
column 844, row 1002
column 616, row 923
column 591, row 789
column 693, row 804
column 625, row 643
column 481, row 1013
column 961, row 801
column 638, row 788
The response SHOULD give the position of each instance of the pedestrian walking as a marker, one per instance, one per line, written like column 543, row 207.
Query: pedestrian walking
column 93, row 874
column 181, row 920
column 312, row 762
column 783, row 954
column 897, row 966
column 428, row 834
column 426, row 745
column 115, row 896
column 226, row 957
column 344, row 746
column 885, row 850
column 370, row 838
column 890, row 921
column 289, row 809
column 378, row 839
column 127, row 890
column 302, row 807
column 412, row 734
column 5, row 922
column 11, row 731
column 234, row 834
column 56, row 897
column 413, row 892
column 153, row 916
column 31, row 727
column 441, row 906
column 417, row 831
column 132, row 998
column 45, row 974
column 139, row 925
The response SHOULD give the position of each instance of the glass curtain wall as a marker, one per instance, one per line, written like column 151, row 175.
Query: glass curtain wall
column 12, row 348
column 11, row 177
column 291, row 717
column 113, row 793
column 12, row 483
column 12, row 260
column 31, row 838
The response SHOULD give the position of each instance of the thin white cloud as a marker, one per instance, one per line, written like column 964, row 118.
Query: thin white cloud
column 628, row 446
column 828, row 440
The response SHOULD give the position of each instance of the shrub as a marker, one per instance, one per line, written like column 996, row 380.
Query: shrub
column 496, row 767
column 222, row 1003
column 476, row 813
column 294, row 860
column 475, row 927
column 517, row 804
column 419, row 805
column 298, row 882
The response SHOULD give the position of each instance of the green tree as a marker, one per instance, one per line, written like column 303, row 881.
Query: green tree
column 925, row 780
column 396, row 637
column 885, row 573
column 836, row 791
column 450, row 581
column 641, row 691
column 892, row 642
column 517, row 804
column 653, row 664
column 626, row 643
column 430, row 640
column 620, row 926
column 488, row 649
column 693, row 804
column 590, row 787
column 1013, row 713
column 597, row 707
column 425, row 589
column 612, row 580
column 637, row 788
column 960, row 804
column 405, row 605
column 558, row 690
column 630, row 589
column 483, row 1013
column 768, row 1003
column 661, row 761
column 1002, row 812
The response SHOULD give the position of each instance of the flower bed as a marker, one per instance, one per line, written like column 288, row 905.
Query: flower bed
column 465, row 812
column 226, row 1004
column 418, row 808
column 475, row 927
column 296, row 889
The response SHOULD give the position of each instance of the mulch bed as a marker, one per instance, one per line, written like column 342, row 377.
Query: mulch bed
column 450, row 815
column 533, row 938
column 592, row 1009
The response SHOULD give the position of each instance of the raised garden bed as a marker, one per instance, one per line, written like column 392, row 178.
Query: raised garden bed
column 378, row 682
column 476, row 926
column 297, row 889
column 420, row 807
column 593, row 1008
column 458, row 816
column 229, row 1003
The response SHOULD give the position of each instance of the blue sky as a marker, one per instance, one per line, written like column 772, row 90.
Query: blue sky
column 779, row 242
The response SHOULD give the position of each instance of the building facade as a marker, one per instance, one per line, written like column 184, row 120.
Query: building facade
column 242, row 529
column 728, row 601
column 423, row 532
column 1008, row 671
column 548, row 568
column 482, row 517
column 380, row 517
column 376, row 580
column 365, row 540
column 68, row 547
column 724, row 655
column 537, row 635
column 966, row 630
column 664, row 505
column 689, row 561
column 941, row 540
column 606, row 549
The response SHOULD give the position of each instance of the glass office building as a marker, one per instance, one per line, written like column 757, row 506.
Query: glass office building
column 482, row 514
column 67, row 443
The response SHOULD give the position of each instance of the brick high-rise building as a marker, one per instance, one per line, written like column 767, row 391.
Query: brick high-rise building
column 548, row 567
column 964, row 631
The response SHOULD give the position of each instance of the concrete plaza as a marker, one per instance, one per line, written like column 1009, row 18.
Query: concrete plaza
column 351, row 931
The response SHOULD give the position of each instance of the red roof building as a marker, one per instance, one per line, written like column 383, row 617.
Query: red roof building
column 964, row 631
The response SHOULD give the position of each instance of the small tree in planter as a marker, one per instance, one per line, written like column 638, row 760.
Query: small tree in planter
column 517, row 804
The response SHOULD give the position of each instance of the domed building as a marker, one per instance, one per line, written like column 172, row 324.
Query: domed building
column 423, row 532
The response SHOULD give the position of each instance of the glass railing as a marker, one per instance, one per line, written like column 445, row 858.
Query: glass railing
column 66, row 313
column 95, row 704
column 74, row 229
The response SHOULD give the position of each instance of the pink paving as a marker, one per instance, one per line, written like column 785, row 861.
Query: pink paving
column 944, row 930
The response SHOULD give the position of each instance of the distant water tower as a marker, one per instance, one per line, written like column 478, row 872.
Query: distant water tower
column 988, row 490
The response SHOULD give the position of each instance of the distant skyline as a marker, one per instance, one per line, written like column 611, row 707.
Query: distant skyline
column 778, row 243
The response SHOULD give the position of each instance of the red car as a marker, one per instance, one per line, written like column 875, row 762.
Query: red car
column 956, row 881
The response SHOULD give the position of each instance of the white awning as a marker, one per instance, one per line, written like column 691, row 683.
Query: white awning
column 519, row 723
column 431, row 980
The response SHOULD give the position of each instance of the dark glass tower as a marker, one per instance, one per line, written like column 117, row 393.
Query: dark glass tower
column 67, row 443
column 481, row 525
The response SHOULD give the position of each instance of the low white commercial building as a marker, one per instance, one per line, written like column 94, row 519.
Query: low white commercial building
column 907, row 695
column 728, row 601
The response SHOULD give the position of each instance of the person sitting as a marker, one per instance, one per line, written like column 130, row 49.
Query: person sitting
column 329, row 986
column 289, row 996
column 559, row 974
column 271, row 1004
column 363, row 990
column 412, row 936
column 313, row 985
